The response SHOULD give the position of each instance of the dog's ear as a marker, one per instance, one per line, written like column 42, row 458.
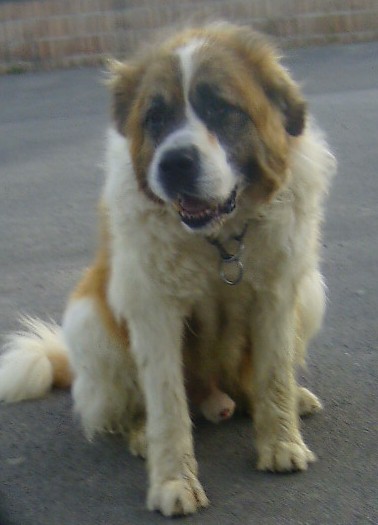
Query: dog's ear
column 281, row 90
column 123, row 81
column 285, row 94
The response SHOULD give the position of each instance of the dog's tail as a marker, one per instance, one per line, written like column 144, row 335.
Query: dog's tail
column 33, row 361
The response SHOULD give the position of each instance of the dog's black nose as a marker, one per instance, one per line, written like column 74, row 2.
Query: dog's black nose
column 179, row 171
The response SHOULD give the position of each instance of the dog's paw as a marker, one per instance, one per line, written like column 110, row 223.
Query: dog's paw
column 177, row 497
column 308, row 403
column 138, row 441
column 285, row 456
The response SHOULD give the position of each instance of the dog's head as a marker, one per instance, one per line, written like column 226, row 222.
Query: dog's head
column 208, row 115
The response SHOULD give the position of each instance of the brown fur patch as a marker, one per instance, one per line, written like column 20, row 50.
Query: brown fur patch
column 230, row 62
column 162, row 78
column 62, row 373
column 94, row 284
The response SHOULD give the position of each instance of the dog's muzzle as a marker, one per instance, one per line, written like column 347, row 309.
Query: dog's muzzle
column 179, row 171
column 179, row 175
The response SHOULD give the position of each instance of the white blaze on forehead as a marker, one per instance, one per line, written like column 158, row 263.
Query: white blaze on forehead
column 185, row 54
column 216, row 178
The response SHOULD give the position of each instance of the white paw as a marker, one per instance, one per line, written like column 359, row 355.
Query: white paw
column 308, row 403
column 284, row 456
column 177, row 497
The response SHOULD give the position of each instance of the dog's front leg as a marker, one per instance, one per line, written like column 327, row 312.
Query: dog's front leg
column 156, row 342
column 279, row 443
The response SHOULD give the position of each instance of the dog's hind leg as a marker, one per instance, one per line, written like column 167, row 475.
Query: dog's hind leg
column 310, row 307
column 308, row 403
column 309, row 312
column 105, row 390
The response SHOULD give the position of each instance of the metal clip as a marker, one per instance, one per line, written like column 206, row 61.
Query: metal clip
column 238, row 266
column 232, row 261
column 231, row 268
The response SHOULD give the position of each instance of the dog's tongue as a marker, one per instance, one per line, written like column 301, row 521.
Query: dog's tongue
column 192, row 204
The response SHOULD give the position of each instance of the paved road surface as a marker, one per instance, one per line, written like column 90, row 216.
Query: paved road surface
column 51, row 150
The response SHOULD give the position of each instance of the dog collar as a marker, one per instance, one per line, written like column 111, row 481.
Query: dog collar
column 231, row 268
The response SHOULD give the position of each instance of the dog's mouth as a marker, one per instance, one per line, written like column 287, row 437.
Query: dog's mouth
column 197, row 213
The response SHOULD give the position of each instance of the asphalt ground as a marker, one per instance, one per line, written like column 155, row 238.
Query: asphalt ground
column 51, row 151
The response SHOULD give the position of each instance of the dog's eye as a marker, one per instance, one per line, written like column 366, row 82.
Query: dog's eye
column 157, row 118
column 214, row 110
column 217, row 109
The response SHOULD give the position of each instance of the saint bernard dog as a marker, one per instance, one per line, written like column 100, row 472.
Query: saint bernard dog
column 206, row 288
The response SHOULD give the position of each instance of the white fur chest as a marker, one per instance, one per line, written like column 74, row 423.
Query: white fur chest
column 152, row 254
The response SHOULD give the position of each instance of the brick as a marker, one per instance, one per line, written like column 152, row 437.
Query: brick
column 51, row 29
column 106, row 5
column 15, row 11
column 3, row 13
column 107, row 21
column 26, row 28
column 349, row 22
column 75, row 6
column 43, row 50
column 16, row 27
column 241, row 9
column 258, row 9
column 4, row 54
column 106, row 42
column 2, row 36
column 39, row 9
column 36, row 8
column 94, row 24
column 55, row 7
column 88, row 6
column 365, row 21
column 141, row 18
column 27, row 52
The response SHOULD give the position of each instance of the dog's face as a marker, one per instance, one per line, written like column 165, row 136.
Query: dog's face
column 208, row 116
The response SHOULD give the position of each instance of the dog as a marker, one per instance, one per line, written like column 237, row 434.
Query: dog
column 206, row 288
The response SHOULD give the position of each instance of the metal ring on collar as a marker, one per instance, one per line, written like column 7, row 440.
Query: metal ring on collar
column 225, row 263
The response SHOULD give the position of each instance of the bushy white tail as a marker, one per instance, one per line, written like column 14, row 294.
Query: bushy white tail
column 33, row 361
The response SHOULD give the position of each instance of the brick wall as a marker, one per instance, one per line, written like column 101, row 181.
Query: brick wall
column 51, row 33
